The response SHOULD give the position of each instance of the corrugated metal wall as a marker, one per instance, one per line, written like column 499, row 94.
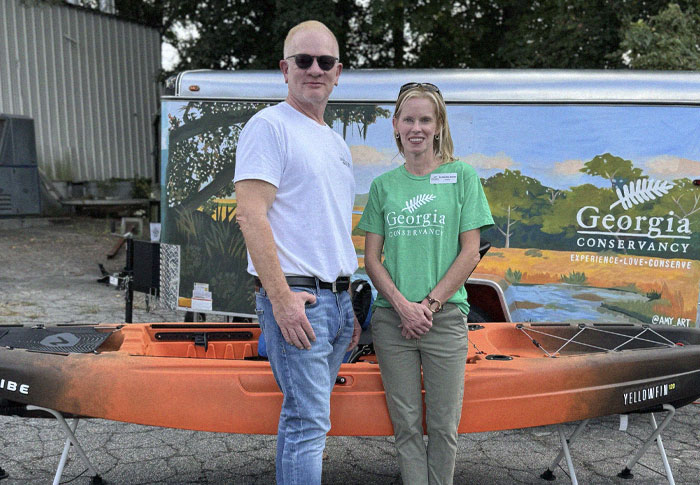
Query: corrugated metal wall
column 89, row 82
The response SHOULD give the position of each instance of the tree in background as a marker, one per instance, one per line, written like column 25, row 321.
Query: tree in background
column 669, row 40
column 571, row 34
column 561, row 34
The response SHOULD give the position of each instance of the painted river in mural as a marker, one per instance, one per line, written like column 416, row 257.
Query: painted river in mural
column 562, row 302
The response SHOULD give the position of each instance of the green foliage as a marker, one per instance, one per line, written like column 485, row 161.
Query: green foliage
column 533, row 253
column 574, row 278
column 667, row 41
column 354, row 116
column 202, row 149
column 653, row 295
column 515, row 198
column 683, row 201
column 642, row 311
column 214, row 252
column 141, row 188
column 561, row 219
column 630, row 288
column 615, row 169
column 513, row 277
column 574, row 34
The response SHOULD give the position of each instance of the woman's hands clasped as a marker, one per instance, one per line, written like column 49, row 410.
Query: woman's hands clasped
column 416, row 320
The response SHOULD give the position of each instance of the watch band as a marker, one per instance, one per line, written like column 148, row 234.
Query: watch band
column 432, row 302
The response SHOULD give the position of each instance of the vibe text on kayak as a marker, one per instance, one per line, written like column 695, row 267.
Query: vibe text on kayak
column 14, row 386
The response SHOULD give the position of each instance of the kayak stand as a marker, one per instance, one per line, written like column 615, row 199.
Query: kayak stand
column 70, row 440
column 626, row 472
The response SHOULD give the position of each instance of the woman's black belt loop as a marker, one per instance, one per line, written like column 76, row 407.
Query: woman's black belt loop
column 341, row 284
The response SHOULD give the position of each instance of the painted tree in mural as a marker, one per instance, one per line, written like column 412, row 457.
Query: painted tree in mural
column 562, row 218
column 201, row 157
column 623, row 177
column 354, row 117
column 616, row 170
column 514, row 198
column 683, row 202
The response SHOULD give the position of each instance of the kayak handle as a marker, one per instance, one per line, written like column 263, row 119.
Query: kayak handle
column 498, row 357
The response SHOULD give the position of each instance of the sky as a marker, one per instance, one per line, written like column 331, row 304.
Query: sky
column 551, row 143
column 169, row 56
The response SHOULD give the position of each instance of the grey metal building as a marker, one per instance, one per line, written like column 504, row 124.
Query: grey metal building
column 88, row 80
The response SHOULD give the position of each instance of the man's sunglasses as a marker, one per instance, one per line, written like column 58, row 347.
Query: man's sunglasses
column 305, row 61
column 426, row 86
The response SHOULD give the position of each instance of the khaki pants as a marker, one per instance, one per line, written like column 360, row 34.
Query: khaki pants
column 442, row 354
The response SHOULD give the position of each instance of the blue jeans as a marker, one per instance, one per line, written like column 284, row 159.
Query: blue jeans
column 306, row 378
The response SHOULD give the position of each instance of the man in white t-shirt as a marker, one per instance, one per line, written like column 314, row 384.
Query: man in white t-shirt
column 295, row 192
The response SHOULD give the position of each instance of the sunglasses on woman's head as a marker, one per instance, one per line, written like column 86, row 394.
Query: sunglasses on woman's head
column 426, row 86
column 305, row 61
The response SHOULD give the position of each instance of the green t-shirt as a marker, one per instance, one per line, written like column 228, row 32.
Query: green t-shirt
column 421, row 218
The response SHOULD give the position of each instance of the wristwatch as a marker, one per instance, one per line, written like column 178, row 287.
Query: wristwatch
column 434, row 305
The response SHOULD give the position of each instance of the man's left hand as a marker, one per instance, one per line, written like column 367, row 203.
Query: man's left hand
column 355, row 335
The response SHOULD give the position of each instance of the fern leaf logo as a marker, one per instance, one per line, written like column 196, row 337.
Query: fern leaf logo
column 640, row 191
column 418, row 201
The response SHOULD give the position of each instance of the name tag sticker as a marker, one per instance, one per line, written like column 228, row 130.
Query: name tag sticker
column 443, row 178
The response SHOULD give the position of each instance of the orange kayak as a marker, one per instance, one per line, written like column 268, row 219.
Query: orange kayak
column 207, row 376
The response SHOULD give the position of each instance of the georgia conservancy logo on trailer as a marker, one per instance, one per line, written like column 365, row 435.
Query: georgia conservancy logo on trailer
column 634, row 232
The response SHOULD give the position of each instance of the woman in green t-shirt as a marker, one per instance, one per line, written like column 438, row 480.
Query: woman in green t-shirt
column 426, row 216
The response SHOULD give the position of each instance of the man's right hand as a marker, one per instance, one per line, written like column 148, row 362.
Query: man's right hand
column 291, row 318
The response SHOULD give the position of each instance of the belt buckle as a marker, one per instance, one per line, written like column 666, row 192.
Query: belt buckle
column 334, row 287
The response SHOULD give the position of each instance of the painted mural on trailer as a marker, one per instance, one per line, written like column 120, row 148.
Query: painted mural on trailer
column 596, row 215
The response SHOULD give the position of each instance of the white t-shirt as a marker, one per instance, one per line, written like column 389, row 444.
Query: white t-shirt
column 311, row 166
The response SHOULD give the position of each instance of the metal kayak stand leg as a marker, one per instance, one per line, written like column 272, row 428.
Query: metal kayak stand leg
column 70, row 440
column 655, row 436
column 625, row 473
column 565, row 453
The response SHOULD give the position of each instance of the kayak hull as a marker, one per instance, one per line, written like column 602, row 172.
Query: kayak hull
column 510, row 383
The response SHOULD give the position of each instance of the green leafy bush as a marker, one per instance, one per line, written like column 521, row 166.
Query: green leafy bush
column 513, row 277
column 574, row 278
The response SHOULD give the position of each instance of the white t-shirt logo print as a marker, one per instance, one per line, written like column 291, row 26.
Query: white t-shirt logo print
column 417, row 201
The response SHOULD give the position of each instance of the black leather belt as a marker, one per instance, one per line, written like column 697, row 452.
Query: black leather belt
column 341, row 284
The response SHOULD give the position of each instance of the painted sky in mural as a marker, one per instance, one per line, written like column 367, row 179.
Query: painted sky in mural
column 663, row 141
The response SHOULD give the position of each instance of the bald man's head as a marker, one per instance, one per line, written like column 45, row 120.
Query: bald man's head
column 309, row 25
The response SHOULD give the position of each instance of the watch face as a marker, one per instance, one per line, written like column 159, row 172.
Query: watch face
column 434, row 306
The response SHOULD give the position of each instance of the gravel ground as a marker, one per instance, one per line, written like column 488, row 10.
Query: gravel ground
column 48, row 274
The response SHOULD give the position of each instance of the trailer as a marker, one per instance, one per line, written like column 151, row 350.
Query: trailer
column 591, row 176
